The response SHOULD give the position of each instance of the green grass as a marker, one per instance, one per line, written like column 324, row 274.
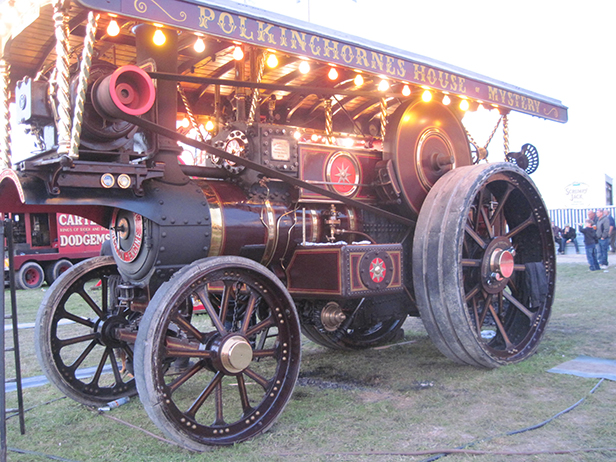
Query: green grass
column 403, row 398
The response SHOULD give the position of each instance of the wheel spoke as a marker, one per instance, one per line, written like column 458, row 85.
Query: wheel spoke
column 196, row 405
column 252, row 303
column 78, row 319
column 91, row 303
column 257, row 378
column 184, row 377
column 266, row 323
column 176, row 347
column 114, row 367
column 224, row 302
column 219, row 405
column 476, row 237
column 487, row 222
column 84, row 354
column 264, row 353
column 79, row 339
column 521, row 227
column 501, row 204
column 99, row 368
column 182, row 322
column 204, row 298
column 519, row 306
column 471, row 262
column 500, row 327
column 241, row 387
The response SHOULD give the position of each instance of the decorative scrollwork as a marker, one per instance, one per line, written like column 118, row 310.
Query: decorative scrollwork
column 141, row 7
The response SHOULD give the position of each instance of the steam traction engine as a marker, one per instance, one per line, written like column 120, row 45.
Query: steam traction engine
column 295, row 195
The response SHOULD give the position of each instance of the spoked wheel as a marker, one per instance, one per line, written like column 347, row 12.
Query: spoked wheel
column 484, row 265
column 74, row 328
column 243, row 351
column 353, row 325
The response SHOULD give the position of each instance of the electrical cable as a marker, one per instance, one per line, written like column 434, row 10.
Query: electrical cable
column 40, row 454
column 522, row 430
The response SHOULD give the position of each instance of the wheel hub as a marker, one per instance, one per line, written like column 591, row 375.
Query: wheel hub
column 332, row 317
column 106, row 331
column 498, row 264
column 235, row 354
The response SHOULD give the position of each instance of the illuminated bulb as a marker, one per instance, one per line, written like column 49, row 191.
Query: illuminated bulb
column 348, row 142
column 358, row 80
column 297, row 135
column 113, row 29
column 272, row 61
column 238, row 53
column 464, row 105
column 159, row 38
column 406, row 90
column 314, row 137
column 199, row 45
column 446, row 100
column 426, row 96
column 304, row 67
column 383, row 85
column 185, row 123
column 209, row 125
column 333, row 73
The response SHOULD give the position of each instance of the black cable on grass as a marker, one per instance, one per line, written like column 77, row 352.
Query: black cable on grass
column 34, row 407
column 522, row 430
column 40, row 454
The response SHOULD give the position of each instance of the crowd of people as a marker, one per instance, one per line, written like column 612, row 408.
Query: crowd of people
column 599, row 231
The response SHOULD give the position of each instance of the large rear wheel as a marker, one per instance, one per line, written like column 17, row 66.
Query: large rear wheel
column 239, row 358
column 484, row 265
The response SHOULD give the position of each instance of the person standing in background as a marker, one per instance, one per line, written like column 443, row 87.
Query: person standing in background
column 612, row 231
column 603, row 234
column 590, row 243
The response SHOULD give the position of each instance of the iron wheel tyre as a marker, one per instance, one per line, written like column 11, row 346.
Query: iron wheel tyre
column 30, row 276
column 358, row 338
column 244, row 353
column 74, row 345
column 482, row 233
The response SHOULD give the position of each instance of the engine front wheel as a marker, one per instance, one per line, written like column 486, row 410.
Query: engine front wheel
column 484, row 266
column 224, row 375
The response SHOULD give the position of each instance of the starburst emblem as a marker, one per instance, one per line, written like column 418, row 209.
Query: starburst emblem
column 377, row 270
column 343, row 174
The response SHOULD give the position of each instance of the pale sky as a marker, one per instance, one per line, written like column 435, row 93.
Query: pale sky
column 561, row 49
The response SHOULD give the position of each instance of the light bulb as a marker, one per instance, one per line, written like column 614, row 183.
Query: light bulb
column 113, row 28
column 358, row 80
column 209, row 125
column 383, row 85
column 304, row 67
column 272, row 61
column 426, row 96
column 238, row 53
column 464, row 105
column 199, row 45
column 446, row 100
column 406, row 90
column 333, row 73
column 159, row 38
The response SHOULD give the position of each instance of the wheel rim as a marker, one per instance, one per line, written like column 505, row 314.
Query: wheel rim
column 503, row 233
column 75, row 325
column 243, row 351
column 484, row 266
column 32, row 277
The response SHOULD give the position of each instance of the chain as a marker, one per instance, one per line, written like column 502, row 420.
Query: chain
column 60, row 18
column 506, row 133
column 255, row 92
column 383, row 117
column 482, row 152
column 82, row 85
column 329, row 122
column 5, row 137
